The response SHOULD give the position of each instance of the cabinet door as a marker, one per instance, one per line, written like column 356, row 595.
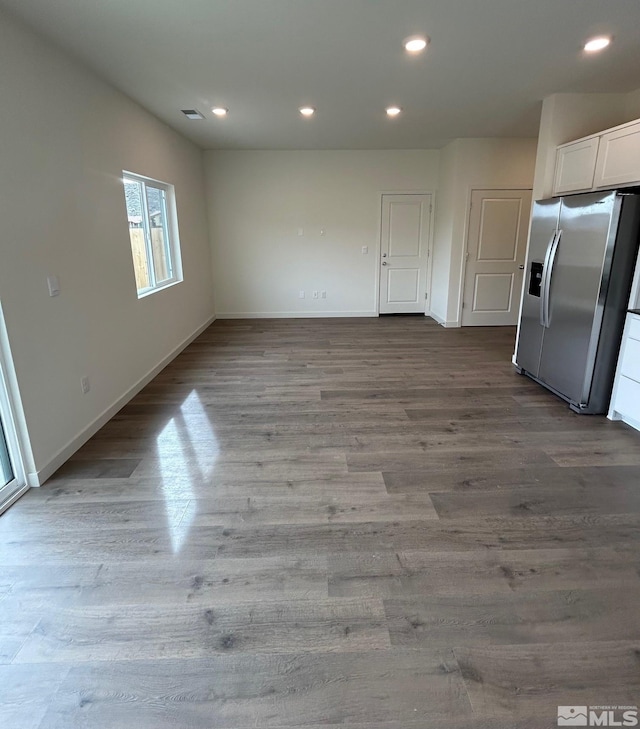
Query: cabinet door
column 625, row 400
column 619, row 157
column 575, row 166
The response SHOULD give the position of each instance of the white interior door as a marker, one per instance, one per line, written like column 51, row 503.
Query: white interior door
column 496, row 249
column 404, row 253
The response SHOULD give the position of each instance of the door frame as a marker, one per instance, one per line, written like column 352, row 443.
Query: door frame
column 11, row 410
column 465, row 248
column 430, row 232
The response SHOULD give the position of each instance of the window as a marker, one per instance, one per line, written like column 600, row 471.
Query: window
column 153, row 231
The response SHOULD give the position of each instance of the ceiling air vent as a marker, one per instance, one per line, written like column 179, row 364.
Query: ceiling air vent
column 192, row 114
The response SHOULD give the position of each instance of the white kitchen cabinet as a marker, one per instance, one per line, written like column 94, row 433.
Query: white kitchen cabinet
column 625, row 401
column 603, row 161
column 575, row 166
column 618, row 161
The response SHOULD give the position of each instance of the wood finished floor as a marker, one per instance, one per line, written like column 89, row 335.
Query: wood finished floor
column 328, row 524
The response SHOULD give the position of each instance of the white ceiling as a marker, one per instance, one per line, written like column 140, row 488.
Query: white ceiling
column 489, row 65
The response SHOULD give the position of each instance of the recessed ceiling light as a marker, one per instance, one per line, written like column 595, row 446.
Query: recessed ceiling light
column 393, row 110
column 220, row 111
column 307, row 110
column 597, row 44
column 415, row 44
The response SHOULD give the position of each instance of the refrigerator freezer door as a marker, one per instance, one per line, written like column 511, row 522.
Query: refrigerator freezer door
column 577, row 274
column 543, row 228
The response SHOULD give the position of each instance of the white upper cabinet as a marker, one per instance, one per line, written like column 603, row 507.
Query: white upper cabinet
column 618, row 160
column 575, row 166
column 601, row 161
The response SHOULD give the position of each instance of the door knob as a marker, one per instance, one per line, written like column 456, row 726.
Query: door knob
column 384, row 255
column 521, row 268
column 384, row 263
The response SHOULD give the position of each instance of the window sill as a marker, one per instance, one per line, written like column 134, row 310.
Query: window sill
column 162, row 287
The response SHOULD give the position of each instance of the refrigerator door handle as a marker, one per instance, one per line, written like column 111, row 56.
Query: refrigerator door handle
column 543, row 283
column 547, row 283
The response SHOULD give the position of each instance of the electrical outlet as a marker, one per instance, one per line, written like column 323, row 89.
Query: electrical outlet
column 301, row 294
column 323, row 294
column 301, row 231
column 85, row 384
column 315, row 294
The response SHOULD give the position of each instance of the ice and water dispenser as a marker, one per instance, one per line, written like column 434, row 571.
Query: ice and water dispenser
column 535, row 279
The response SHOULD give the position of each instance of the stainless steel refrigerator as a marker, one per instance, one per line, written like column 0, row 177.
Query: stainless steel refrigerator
column 580, row 261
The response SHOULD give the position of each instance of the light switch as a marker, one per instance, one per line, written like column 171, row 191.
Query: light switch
column 365, row 250
column 300, row 231
column 54, row 285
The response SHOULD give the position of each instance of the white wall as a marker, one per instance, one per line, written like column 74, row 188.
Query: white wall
column 468, row 164
column 442, row 244
column 66, row 137
column 259, row 199
column 633, row 105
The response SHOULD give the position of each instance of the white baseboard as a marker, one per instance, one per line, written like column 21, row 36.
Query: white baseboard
column 63, row 455
column 631, row 422
column 443, row 322
column 32, row 479
column 292, row 314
